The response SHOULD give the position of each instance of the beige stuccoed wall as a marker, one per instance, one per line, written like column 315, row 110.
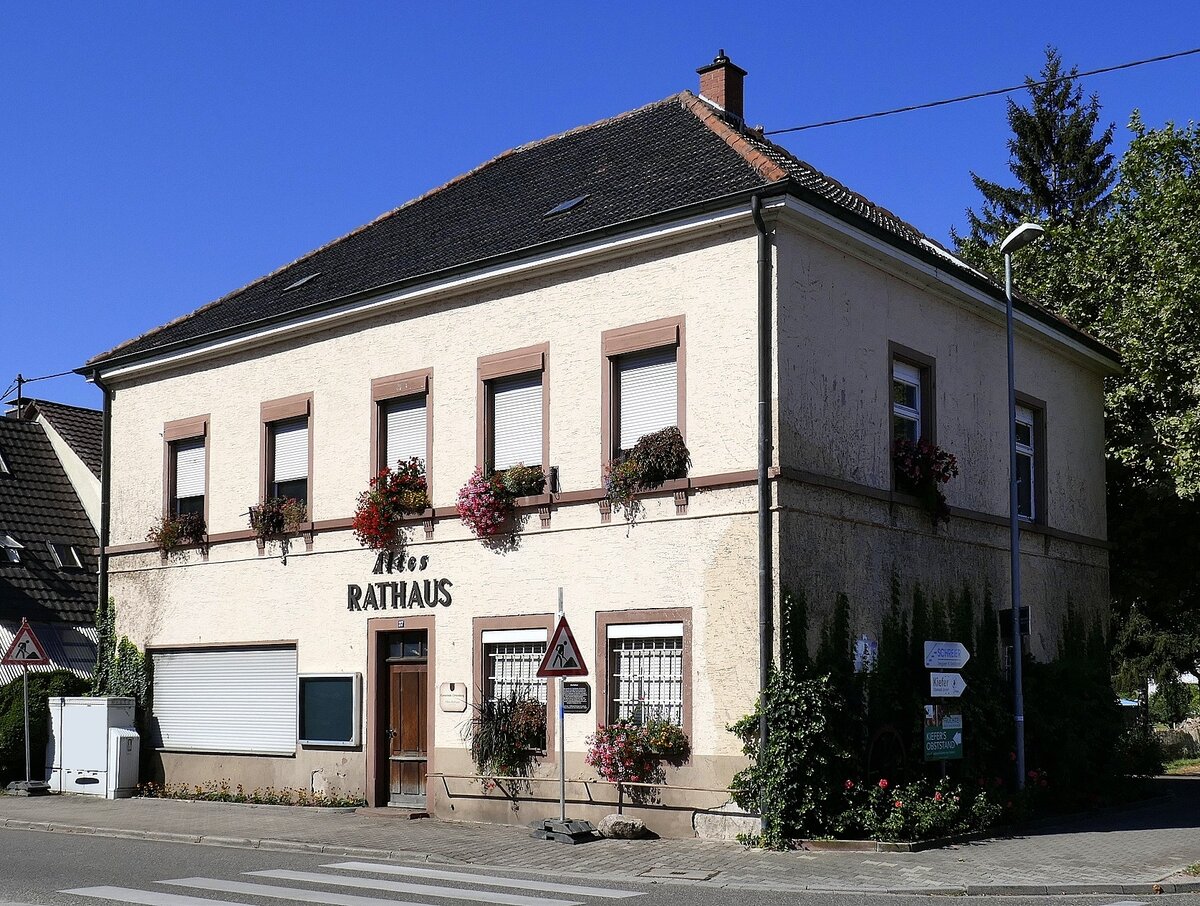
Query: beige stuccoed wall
column 838, row 311
column 711, row 282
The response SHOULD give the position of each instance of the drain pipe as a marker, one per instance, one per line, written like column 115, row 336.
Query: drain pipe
column 766, row 631
column 105, row 489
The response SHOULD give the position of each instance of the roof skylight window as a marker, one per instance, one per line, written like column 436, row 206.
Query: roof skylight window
column 10, row 549
column 565, row 206
column 301, row 282
column 65, row 556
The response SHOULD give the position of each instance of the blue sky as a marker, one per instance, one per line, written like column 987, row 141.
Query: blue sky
column 155, row 156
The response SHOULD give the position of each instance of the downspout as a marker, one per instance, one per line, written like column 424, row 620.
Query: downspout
column 766, row 629
column 105, row 488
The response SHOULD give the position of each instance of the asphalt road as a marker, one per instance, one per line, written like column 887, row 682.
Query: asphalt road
column 48, row 869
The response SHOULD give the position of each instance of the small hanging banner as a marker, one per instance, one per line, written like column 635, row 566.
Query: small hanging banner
column 562, row 654
column 25, row 650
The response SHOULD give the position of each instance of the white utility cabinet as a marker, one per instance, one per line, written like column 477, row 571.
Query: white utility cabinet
column 80, row 756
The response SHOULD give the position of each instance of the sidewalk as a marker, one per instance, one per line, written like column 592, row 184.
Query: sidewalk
column 1125, row 851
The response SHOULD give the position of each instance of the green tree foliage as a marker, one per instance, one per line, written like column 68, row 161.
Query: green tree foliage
column 1173, row 702
column 42, row 686
column 1062, row 167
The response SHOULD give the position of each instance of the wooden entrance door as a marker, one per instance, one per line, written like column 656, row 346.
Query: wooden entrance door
column 407, row 732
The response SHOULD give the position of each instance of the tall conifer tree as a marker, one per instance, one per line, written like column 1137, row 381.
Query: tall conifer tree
column 1063, row 168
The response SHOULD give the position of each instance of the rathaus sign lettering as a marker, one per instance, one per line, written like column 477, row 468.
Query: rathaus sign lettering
column 401, row 594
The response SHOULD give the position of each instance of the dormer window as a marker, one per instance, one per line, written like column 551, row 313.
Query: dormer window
column 4, row 470
column 10, row 549
column 66, row 557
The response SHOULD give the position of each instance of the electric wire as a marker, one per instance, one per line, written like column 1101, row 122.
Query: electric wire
column 983, row 94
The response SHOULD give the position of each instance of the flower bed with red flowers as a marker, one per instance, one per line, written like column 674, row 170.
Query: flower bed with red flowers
column 913, row 811
column 921, row 469
column 393, row 495
column 625, row 752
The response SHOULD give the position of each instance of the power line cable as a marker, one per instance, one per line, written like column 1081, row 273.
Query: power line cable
column 982, row 94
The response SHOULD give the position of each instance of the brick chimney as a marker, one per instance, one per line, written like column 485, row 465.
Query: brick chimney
column 721, row 83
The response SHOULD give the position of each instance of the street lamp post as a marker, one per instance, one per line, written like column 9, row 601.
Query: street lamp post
column 1017, row 239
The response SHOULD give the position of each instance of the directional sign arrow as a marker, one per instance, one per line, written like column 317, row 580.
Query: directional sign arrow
column 949, row 655
column 946, row 685
column 958, row 739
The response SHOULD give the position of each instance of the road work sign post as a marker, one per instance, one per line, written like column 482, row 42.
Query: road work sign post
column 26, row 651
column 563, row 658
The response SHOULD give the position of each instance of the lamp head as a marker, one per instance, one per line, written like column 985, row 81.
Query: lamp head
column 1020, row 237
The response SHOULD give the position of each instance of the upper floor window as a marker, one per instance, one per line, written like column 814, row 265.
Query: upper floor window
column 515, row 408
column 906, row 401
column 1028, row 490
column 643, row 387
column 186, row 467
column 401, row 426
column 287, row 463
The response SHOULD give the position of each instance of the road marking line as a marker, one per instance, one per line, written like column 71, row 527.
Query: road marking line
column 450, row 893
column 486, row 880
column 146, row 897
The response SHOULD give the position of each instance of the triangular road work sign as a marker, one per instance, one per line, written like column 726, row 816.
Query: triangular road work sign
column 563, row 657
column 25, row 649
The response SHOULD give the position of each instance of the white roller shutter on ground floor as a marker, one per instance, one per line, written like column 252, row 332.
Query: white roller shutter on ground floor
column 229, row 700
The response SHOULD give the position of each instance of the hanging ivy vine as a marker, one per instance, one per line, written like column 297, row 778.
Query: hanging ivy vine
column 121, row 669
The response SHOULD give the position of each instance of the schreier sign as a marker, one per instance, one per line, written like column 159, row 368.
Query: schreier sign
column 399, row 594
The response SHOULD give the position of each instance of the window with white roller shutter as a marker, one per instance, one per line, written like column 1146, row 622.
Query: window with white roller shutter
column 404, row 430
column 516, row 421
column 188, row 474
column 289, row 459
column 228, row 700
column 647, row 394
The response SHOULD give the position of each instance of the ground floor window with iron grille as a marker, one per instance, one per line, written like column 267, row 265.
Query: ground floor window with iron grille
column 645, row 663
column 510, row 661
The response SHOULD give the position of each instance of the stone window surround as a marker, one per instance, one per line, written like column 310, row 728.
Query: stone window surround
column 639, row 338
column 509, row 364
column 279, row 410
column 606, row 618
column 545, row 621
column 928, row 368
column 396, row 387
column 173, row 432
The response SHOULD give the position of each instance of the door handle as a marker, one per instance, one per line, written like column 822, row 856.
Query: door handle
column 391, row 734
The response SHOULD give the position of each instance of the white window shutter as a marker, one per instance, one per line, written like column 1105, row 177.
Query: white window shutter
column 647, row 393
column 404, row 427
column 517, row 421
column 189, row 468
column 226, row 700
column 291, row 450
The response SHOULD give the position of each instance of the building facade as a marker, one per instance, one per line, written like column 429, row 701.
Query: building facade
column 610, row 289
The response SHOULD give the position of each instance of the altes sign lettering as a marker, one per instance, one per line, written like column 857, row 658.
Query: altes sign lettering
column 402, row 594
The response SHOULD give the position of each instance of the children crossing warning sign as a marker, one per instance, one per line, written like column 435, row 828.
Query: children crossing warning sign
column 25, row 650
column 562, row 654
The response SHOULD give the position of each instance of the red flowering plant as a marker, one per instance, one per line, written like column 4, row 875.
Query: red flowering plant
column 485, row 505
column 921, row 469
column 178, row 530
column 393, row 495
column 625, row 752
column 912, row 811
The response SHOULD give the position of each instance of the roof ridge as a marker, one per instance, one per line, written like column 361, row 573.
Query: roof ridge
column 762, row 164
column 56, row 403
column 388, row 214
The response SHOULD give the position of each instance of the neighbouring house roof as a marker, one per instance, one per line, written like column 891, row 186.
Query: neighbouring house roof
column 663, row 159
column 39, row 506
column 81, row 428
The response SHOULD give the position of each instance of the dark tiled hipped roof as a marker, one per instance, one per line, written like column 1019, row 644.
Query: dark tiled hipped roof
column 38, row 505
column 672, row 155
column 82, row 429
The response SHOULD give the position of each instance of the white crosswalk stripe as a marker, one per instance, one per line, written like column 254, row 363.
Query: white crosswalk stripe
column 302, row 889
column 489, row 880
column 453, row 893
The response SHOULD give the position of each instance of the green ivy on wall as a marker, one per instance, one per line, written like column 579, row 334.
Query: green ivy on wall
column 121, row 669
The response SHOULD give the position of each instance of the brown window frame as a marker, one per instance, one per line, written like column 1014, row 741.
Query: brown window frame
column 927, row 366
column 606, row 618
column 1040, row 487
column 527, row 360
column 271, row 413
column 394, row 387
column 634, row 338
column 526, row 621
column 183, row 429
